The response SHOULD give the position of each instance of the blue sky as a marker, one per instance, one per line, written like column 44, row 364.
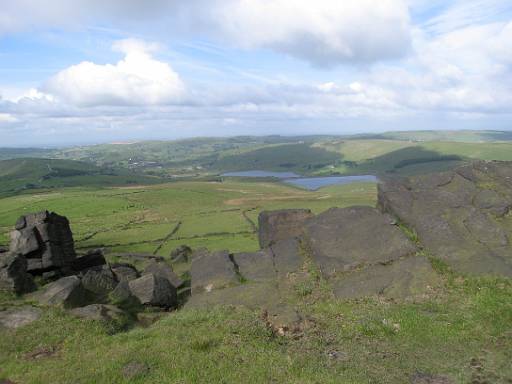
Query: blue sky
column 92, row 71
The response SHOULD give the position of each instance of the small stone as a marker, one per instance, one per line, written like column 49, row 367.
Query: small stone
column 134, row 369
column 426, row 378
column 181, row 254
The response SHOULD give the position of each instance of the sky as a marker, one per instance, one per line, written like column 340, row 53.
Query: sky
column 93, row 71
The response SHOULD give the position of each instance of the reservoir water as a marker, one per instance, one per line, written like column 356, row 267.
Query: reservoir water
column 310, row 183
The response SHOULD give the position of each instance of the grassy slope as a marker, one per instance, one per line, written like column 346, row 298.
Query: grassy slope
column 462, row 331
column 384, row 156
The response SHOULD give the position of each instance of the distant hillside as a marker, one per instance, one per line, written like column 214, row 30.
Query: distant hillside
column 450, row 136
column 17, row 175
column 302, row 158
column 15, row 153
column 402, row 153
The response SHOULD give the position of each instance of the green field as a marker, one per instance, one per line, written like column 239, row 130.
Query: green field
column 211, row 214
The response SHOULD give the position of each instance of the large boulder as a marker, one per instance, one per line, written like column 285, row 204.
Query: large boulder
column 124, row 271
column 461, row 216
column 212, row 271
column 100, row 281
column 45, row 239
column 162, row 269
column 154, row 290
column 13, row 274
column 67, row 292
column 344, row 239
column 280, row 225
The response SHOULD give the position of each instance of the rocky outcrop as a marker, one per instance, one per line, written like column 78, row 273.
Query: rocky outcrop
column 13, row 274
column 281, row 225
column 45, row 240
column 461, row 216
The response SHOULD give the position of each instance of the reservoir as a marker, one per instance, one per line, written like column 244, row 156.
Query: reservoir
column 310, row 183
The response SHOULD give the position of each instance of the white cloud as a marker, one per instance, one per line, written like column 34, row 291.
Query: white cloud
column 138, row 79
column 322, row 32
column 7, row 118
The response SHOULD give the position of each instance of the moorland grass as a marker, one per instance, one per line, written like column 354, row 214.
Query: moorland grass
column 461, row 331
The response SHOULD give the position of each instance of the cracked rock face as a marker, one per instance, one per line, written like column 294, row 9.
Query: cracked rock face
column 281, row 225
column 343, row 239
column 211, row 271
column 462, row 216
column 45, row 240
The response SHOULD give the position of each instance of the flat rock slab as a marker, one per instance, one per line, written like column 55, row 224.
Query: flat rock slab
column 282, row 224
column 20, row 316
column 406, row 278
column 99, row 312
column 211, row 271
column 460, row 216
column 255, row 266
column 251, row 295
column 342, row 239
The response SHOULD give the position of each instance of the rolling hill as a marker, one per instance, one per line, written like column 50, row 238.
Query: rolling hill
column 17, row 175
